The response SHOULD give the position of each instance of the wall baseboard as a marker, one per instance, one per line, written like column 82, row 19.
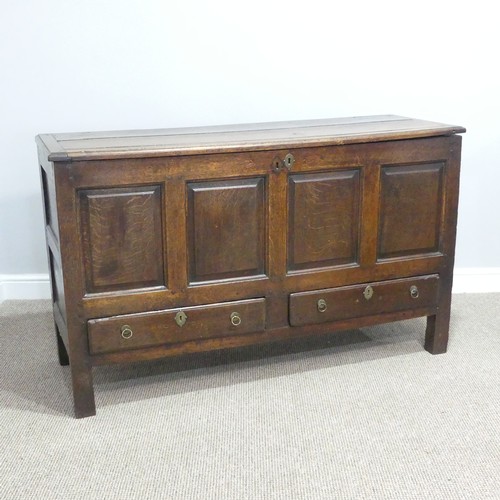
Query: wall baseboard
column 37, row 286
column 476, row 280
column 24, row 287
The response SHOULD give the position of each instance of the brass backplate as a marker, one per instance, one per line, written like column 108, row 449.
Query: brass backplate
column 368, row 292
column 322, row 305
column 181, row 318
column 288, row 161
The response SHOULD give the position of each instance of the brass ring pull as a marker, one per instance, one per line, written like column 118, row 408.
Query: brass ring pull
column 126, row 332
column 414, row 292
column 235, row 319
column 322, row 305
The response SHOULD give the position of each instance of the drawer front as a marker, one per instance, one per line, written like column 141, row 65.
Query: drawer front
column 333, row 304
column 133, row 331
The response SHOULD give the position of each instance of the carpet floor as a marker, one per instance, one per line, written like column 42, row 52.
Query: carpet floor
column 364, row 414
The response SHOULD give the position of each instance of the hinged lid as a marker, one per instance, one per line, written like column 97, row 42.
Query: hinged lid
column 229, row 138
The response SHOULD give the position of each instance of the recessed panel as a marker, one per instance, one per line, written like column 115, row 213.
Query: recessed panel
column 57, row 284
column 323, row 219
column 49, row 200
column 410, row 209
column 122, row 238
column 226, row 229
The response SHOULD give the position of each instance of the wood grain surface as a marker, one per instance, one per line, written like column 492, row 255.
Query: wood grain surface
column 259, row 136
column 324, row 220
column 160, row 327
column 213, row 221
column 122, row 238
column 350, row 301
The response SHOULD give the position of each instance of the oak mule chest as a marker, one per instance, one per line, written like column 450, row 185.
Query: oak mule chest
column 164, row 242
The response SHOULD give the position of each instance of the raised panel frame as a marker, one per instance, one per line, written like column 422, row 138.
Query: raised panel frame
column 116, row 259
column 411, row 210
column 176, row 172
column 324, row 219
column 227, row 229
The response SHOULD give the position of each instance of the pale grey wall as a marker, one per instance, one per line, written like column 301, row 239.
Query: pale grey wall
column 94, row 65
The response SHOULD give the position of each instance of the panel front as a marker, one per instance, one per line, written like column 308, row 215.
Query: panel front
column 226, row 229
column 323, row 219
column 334, row 304
column 122, row 238
column 134, row 331
column 410, row 209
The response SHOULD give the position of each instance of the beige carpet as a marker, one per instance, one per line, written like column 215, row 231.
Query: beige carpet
column 365, row 414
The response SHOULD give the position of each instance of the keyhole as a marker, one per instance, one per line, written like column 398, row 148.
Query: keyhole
column 289, row 160
column 276, row 164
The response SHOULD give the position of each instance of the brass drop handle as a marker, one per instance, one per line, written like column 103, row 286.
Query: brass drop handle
column 368, row 292
column 126, row 332
column 414, row 292
column 322, row 305
column 235, row 319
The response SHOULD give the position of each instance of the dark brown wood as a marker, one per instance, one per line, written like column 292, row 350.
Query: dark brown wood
column 231, row 138
column 271, row 335
column 160, row 327
column 350, row 301
column 323, row 219
column 411, row 209
column 122, row 238
column 57, row 283
column 61, row 348
column 370, row 215
column 49, row 201
column 438, row 326
column 123, row 303
column 226, row 229
column 211, row 221
column 72, row 265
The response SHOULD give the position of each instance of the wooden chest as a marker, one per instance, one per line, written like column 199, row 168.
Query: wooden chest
column 165, row 242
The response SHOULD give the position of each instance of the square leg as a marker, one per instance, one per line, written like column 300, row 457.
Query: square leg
column 81, row 371
column 437, row 331
column 83, row 390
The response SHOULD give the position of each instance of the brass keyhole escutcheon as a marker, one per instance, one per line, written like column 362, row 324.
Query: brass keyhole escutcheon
column 181, row 318
column 414, row 292
column 321, row 305
column 289, row 161
column 368, row 292
column 235, row 319
column 126, row 332
column 276, row 164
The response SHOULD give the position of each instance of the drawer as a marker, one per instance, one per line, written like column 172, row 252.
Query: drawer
column 333, row 304
column 133, row 331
